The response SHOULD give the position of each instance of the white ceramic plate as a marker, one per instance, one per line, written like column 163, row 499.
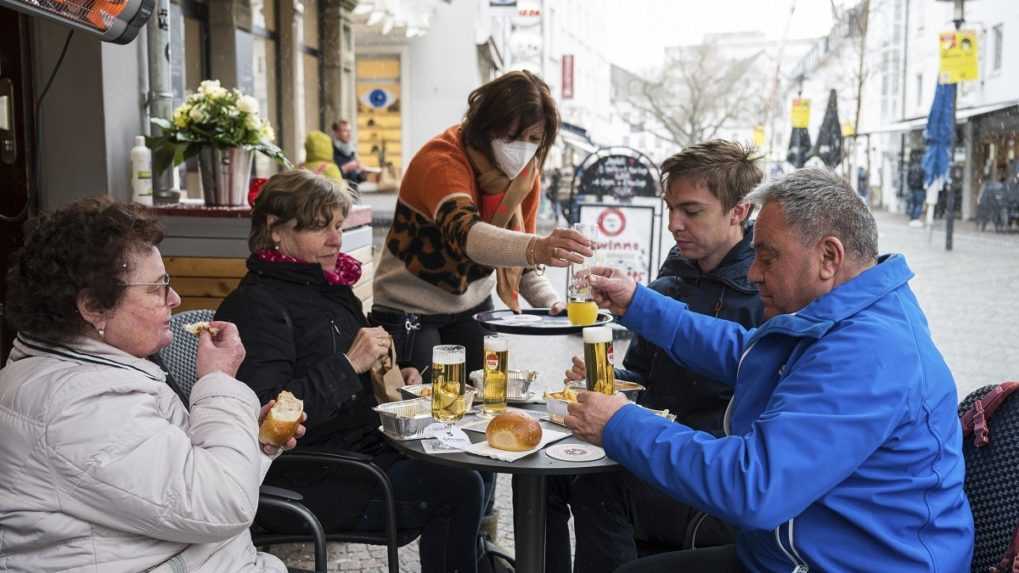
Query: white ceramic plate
column 575, row 452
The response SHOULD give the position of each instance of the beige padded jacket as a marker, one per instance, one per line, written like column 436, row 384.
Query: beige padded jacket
column 102, row 468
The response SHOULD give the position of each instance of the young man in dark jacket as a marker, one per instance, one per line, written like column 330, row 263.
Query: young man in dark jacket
column 707, row 269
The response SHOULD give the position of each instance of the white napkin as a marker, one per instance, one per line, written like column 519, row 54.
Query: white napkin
column 483, row 449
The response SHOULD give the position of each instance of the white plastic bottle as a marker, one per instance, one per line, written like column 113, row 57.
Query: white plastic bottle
column 141, row 172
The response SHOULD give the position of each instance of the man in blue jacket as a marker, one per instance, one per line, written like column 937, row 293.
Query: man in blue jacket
column 843, row 450
column 706, row 186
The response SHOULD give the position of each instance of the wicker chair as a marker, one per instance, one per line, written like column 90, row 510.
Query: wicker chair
column 179, row 361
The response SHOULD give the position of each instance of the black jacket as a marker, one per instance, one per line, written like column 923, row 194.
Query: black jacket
column 295, row 328
column 725, row 292
column 340, row 158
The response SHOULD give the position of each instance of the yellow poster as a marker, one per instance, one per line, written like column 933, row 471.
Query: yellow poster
column 959, row 57
column 801, row 112
column 758, row 135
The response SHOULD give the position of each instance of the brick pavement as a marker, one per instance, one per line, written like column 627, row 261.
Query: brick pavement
column 970, row 295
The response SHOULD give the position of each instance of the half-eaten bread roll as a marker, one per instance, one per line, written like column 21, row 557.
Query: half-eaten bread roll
column 281, row 423
column 196, row 328
column 513, row 432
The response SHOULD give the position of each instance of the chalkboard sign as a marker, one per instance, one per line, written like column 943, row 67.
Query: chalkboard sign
column 620, row 176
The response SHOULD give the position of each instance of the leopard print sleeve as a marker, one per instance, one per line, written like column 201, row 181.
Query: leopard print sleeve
column 455, row 217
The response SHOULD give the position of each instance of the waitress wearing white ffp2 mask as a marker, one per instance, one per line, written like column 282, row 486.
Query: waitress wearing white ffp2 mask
column 465, row 222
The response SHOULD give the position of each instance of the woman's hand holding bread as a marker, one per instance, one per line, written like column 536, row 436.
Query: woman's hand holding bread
column 222, row 352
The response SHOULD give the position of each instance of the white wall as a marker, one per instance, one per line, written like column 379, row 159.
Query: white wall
column 90, row 115
column 442, row 70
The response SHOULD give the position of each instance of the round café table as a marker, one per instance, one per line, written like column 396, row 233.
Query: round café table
column 529, row 484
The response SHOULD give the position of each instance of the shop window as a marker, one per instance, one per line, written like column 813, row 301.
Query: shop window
column 189, row 65
column 379, row 120
column 312, row 59
column 999, row 40
column 265, row 74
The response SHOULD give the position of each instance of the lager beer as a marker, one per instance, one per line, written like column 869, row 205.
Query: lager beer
column 448, row 383
column 580, row 309
column 496, row 374
column 598, row 359
column 581, row 312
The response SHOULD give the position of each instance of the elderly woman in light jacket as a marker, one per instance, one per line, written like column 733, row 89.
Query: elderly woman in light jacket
column 102, row 468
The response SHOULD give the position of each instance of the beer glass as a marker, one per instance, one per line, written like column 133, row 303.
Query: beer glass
column 598, row 359
column 448, row 365
column 496, row 374
column 580, row 308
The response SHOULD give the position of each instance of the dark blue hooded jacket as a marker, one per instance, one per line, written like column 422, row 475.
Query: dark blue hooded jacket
column 697, row 400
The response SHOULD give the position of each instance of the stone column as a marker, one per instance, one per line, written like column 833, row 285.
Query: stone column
column 230, row 46
column 291, row 39
column 337, row 44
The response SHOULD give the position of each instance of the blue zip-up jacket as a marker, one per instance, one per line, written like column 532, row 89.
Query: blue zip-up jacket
column 844, row 450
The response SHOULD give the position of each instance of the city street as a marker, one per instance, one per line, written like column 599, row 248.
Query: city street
column 968, row 295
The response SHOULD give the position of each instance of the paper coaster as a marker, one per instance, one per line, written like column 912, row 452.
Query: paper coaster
column 575, row 452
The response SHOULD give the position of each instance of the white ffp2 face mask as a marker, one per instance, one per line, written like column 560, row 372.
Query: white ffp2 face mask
column 512, row 156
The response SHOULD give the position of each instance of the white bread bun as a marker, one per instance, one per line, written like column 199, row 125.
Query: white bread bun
column 281, row 423
column 513, row 432
column 196, row 328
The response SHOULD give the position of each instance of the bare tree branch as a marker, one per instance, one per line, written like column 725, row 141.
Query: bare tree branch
column 697, row 94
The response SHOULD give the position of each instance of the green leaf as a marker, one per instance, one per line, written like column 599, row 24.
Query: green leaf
column 162, row 123
column 162, row 157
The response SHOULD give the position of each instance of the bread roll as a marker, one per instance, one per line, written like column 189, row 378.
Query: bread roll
column 513, row 432
column 196, row 328
column 281, row 423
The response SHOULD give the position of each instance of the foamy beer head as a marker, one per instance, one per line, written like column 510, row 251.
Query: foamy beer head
column 449, row 354
column 496, row 344
column 596, row 334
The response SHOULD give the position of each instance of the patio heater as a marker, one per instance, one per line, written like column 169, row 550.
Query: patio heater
column 116, row 21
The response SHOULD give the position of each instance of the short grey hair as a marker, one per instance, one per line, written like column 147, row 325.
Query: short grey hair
column 818, row 203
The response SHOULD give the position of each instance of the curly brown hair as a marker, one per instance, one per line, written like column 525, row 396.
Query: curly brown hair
column 505, row 107
column 81, row 248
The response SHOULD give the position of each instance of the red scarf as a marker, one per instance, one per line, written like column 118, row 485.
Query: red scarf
column 347, row 273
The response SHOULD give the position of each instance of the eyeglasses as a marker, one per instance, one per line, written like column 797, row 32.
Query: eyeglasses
column 164, row 282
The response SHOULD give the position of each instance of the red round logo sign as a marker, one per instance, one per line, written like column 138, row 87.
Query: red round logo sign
column 611, row 222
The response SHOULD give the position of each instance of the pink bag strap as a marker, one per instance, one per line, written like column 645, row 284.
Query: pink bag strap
column 974, row 420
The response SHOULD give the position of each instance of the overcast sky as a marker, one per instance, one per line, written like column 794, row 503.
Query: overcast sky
column 647, row 26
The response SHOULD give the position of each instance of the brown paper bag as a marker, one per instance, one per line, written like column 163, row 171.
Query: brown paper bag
column 386, row 377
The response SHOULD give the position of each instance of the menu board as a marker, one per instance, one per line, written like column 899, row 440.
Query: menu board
column 619, row 176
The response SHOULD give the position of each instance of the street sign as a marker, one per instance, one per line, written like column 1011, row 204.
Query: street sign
column 567, row 79
column 959, row 57
column 801, row 112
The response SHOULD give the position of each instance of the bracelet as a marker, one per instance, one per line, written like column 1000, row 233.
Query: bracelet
column 529, row 255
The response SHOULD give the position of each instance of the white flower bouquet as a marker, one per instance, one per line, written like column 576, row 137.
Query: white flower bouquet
column 213, row 116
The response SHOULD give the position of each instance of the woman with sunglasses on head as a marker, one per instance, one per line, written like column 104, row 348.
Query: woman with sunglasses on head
column 104, row 468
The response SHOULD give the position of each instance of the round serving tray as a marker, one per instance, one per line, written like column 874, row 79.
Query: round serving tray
column 534, row 321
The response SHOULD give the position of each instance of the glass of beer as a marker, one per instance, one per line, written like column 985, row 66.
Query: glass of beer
column 448, row 383
column 580, row 308
column 598, row 359
column 496, row 374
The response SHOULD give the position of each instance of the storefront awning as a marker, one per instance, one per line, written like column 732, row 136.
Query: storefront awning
column 961, row 116
column 576, row 137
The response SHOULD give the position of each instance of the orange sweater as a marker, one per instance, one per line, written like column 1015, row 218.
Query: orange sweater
column 424, row 266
